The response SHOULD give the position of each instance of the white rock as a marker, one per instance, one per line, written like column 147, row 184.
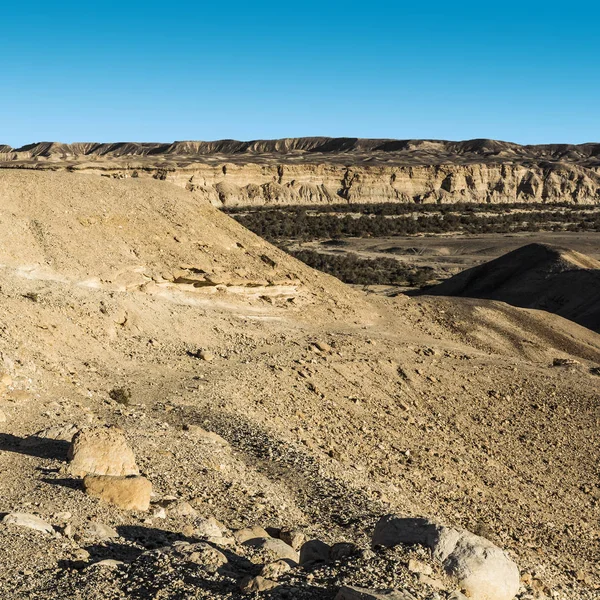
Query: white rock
column 100, row 531
column 29, row 521
column 209, row 528
column 482, row 569
column 107, row 562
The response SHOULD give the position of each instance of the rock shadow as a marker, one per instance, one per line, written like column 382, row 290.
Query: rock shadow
column 34, row 446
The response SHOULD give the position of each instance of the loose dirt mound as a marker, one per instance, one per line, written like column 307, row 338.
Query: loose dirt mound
column 538, row 276
column 281, row 399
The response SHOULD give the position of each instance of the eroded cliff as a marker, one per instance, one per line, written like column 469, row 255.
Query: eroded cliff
column 339, row 170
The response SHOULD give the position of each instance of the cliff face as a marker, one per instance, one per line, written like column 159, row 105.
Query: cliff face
column 348, row 170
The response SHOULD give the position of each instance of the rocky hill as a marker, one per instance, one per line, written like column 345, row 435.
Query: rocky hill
column 339, row 170
column 539, row 276
column 188, row 412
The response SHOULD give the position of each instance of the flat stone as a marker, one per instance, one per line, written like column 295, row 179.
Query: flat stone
column 129, row 493
column 28, row 521
column 358, row 593
column 99, row 531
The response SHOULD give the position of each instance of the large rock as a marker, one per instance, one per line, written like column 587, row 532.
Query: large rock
column 277, row 547
column 483, row 569
column 357, row 593
column 314, row 551
column 28, row 521
column 129, row 493
column 101, row 451
column 249, row 533
column 293, row 538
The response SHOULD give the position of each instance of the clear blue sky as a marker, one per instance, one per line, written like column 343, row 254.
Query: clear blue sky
column 525, row 71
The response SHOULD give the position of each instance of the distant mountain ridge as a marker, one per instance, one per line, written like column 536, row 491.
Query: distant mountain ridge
column 470, row 149
column 323, row 170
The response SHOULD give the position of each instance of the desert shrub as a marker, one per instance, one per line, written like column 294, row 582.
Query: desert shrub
column 350, row 268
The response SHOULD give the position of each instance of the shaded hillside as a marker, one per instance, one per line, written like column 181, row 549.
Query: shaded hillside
column 538, row 276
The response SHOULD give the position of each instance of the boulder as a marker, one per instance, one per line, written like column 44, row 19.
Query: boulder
column 482, row 569
column 101, row 451
column 277, row 547
column 129, row 493
column 275, row 569
column 248, row 533
column 29, row 521
column 314, row 551
column 293, row 538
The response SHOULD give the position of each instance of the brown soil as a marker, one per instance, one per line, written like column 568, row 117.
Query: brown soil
column 449, row 408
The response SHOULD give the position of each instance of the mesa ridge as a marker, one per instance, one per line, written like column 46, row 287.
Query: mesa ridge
column 320, row 170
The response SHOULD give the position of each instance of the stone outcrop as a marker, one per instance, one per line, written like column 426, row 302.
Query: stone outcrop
column 314, row 171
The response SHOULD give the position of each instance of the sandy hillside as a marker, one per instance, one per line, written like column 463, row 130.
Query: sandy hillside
column 264, row 393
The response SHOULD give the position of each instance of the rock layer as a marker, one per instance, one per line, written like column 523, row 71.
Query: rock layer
column 313, row 171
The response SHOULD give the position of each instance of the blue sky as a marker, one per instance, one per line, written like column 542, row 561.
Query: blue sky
column 146, row 71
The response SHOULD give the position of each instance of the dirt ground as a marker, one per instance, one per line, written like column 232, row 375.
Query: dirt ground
column 448, row 408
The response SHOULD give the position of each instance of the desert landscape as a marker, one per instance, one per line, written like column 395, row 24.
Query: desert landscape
column 188, row 411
